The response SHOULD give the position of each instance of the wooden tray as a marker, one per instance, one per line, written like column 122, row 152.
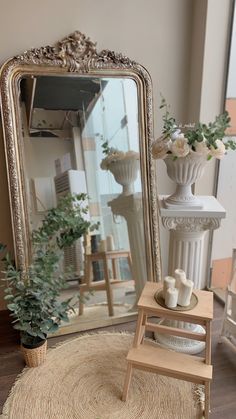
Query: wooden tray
column 160, row 300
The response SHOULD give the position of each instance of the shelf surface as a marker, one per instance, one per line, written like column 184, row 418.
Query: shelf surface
column 150, row 356
column 211, row 208
column 202, row 311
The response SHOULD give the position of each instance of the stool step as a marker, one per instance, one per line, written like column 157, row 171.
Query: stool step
column 101, row 285
column 160, row 360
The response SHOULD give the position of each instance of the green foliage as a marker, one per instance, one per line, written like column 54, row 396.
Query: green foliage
column 198, row 132
column 65, row 223
column 169, row 123
column 107, row 150
column 105, row 147
column 230, row 144
column 33, row 295
column 213, row 131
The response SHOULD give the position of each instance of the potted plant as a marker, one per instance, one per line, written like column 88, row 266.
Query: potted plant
column 123, row 165
column 186, row 149
column 33, row 294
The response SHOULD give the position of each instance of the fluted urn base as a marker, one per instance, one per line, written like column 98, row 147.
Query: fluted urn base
column 182, row 198
column 184, row 171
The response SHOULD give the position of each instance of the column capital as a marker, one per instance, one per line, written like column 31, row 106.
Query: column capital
column 192, row 219
column 127, row 205
column 191, row 224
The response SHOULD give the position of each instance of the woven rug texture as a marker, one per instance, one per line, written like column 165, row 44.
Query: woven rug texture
column 83, row 379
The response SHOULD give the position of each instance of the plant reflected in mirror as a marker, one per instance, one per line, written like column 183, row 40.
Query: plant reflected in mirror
column 64, row 144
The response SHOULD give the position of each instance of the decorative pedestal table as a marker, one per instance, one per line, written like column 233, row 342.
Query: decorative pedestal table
column 130, row 207
column 187, row 230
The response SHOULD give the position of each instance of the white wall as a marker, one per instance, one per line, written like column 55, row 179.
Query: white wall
column 231, row 87
column 214, row 74
column 212, row 92
column 224, row 239
column 156, row 33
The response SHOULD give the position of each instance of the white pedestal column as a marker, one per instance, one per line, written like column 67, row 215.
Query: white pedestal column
column 130, row 207
column 187, row 229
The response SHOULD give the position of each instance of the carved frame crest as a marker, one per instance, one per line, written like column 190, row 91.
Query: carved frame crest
column 75, row 54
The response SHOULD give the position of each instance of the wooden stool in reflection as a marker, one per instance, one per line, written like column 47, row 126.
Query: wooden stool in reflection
column 107, row 284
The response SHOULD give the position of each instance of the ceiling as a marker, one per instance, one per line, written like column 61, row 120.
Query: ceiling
column 75, row 94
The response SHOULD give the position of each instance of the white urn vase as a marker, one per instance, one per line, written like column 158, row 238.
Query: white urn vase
column 184, row 171
column 125, row 173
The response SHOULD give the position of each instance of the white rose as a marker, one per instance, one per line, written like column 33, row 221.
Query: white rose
column 177, row 134
column 201, row 148
column 160, row 148
column 218, row 152
column 180, row 147
column 113, row 156
column 131, row 155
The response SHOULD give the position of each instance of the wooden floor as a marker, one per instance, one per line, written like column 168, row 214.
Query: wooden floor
column 223, row 400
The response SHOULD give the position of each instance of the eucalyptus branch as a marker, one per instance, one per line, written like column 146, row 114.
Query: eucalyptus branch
column 207, row 140
column 169, row 123
column 33, row 295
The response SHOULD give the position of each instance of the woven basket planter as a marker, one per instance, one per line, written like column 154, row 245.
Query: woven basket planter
column 35, row 356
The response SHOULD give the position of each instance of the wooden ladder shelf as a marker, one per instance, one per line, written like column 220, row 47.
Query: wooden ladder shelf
column 149, row 356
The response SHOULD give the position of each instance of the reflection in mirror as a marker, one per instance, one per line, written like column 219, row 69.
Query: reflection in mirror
column 81, row 135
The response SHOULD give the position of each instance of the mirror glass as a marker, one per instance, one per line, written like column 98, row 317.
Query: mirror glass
column 65, row 121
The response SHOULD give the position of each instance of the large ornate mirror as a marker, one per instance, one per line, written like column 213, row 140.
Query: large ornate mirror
column 60, row 105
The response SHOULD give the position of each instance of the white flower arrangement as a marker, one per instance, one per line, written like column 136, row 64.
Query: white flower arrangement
column 200, row 139
column 114, row 155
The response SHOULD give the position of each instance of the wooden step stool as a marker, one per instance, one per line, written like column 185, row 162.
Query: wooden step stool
column 148, row 356
column 107, row 284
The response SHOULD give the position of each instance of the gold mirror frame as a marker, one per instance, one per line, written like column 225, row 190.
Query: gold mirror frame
column 75, row 55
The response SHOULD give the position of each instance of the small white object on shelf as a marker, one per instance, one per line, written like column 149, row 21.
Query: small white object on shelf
column 102, row 247
column 169, row 282
column 185, row 292
column 171, row 297
column 87, row 250
column 110, row 243
column 180, row 276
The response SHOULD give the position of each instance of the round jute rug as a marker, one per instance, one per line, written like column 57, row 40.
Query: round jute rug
column 83, row 379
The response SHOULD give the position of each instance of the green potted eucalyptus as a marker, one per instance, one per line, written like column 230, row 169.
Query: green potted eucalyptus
column 32, row 295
